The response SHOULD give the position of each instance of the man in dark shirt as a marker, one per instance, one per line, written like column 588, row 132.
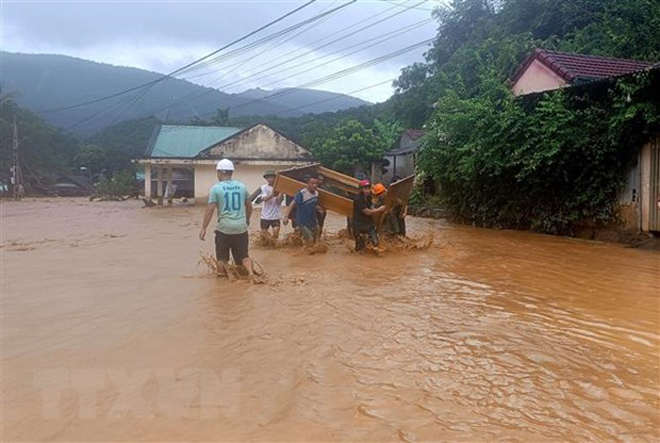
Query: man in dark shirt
column 305, row 203
column 363, row 224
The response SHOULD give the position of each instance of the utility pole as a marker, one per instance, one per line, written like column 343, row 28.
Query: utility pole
column 16, row 173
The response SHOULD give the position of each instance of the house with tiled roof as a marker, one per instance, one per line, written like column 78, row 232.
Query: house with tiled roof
column 545, row 70
column 194, row 151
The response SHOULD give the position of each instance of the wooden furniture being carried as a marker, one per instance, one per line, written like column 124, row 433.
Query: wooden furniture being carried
column 339, row 189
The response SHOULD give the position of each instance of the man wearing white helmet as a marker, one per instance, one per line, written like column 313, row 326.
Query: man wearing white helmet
column 230, row 197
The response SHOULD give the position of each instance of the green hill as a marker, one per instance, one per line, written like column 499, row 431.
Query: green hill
column 41, row 82
column 309, row 100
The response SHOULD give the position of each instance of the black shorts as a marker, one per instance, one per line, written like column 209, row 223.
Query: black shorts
column 236, row 243
column 265, row 224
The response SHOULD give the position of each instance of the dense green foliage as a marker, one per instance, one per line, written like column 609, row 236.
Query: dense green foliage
column 307, row 128
column 352, row 144
column 124, row 141
column 546, row 163
column 121, row 184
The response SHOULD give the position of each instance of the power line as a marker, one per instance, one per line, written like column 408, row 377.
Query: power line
column 327, row 36
column 344, row 72
column 309, row 52
column 149, row 85
column 322, row 80
column 259, row 42
column 379, row 40
column 340, row 74
column 340, row 96
column 320, row 47
column 392, row 2
column 242, row 63
column 201, row 94
column 211, row 54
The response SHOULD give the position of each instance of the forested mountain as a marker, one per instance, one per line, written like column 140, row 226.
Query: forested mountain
column 43, row 82
column 305, row 100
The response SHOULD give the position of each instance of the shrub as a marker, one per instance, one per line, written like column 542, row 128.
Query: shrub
column 122, row 183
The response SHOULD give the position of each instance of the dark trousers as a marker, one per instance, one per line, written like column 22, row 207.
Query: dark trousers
column 361, row 236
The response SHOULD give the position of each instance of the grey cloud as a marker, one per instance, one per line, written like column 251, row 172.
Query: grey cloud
column 161, row 36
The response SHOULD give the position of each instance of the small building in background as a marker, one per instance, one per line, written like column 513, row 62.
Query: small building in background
column 65, row 185
column 179, row 153
column 401, row 161
column 546, row 70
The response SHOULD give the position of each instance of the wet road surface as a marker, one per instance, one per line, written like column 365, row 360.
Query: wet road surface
column 110, row 331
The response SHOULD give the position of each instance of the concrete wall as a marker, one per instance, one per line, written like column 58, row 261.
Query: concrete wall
column 258, row 143
column 251, row 175
column 405, row 166
column 536, row 78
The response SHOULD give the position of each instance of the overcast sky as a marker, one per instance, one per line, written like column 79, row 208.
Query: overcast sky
column 164, row 35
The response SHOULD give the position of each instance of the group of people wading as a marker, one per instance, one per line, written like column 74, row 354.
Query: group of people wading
column 234, row 208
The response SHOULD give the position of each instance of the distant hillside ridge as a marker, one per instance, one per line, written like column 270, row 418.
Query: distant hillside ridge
column 47, row 81
column 309, row 100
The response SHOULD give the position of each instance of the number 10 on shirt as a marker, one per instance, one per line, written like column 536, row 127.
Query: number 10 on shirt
column 232, row 201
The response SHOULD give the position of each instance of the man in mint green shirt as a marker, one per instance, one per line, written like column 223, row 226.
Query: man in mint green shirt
column 230, row 197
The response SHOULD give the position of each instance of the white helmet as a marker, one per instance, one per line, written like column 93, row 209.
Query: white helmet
column 225, row 165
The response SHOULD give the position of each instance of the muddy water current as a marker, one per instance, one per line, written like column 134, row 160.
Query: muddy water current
column 112, row 332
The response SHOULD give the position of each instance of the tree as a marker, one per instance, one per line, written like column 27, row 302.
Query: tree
column 92, row 157
column 221, row 117
column 349, row 144
column 43, row 148
column 386, row 135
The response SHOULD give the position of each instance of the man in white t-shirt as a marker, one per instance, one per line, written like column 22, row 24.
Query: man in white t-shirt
column 271, row 205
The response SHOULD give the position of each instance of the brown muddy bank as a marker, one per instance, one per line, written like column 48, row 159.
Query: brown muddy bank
column 110, row 332
column 612, row 232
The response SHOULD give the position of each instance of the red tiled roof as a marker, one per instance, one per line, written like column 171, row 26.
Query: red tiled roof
column 574, row 67
column 414, row 133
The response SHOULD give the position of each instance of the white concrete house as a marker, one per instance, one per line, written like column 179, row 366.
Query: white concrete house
column 198, row 148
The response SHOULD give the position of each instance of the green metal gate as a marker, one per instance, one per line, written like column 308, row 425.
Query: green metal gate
column 654, row 189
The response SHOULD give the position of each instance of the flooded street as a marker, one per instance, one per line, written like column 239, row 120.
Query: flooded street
column 112, row 332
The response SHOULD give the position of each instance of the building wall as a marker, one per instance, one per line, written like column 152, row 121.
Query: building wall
column 405, row 166
column 648, row 178
column 536, row 78
column 258, row 142
column 629, row 197
column 251, row 175
column 638, row 200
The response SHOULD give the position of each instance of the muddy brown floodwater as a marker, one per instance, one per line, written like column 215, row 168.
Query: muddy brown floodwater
column 111, row 332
